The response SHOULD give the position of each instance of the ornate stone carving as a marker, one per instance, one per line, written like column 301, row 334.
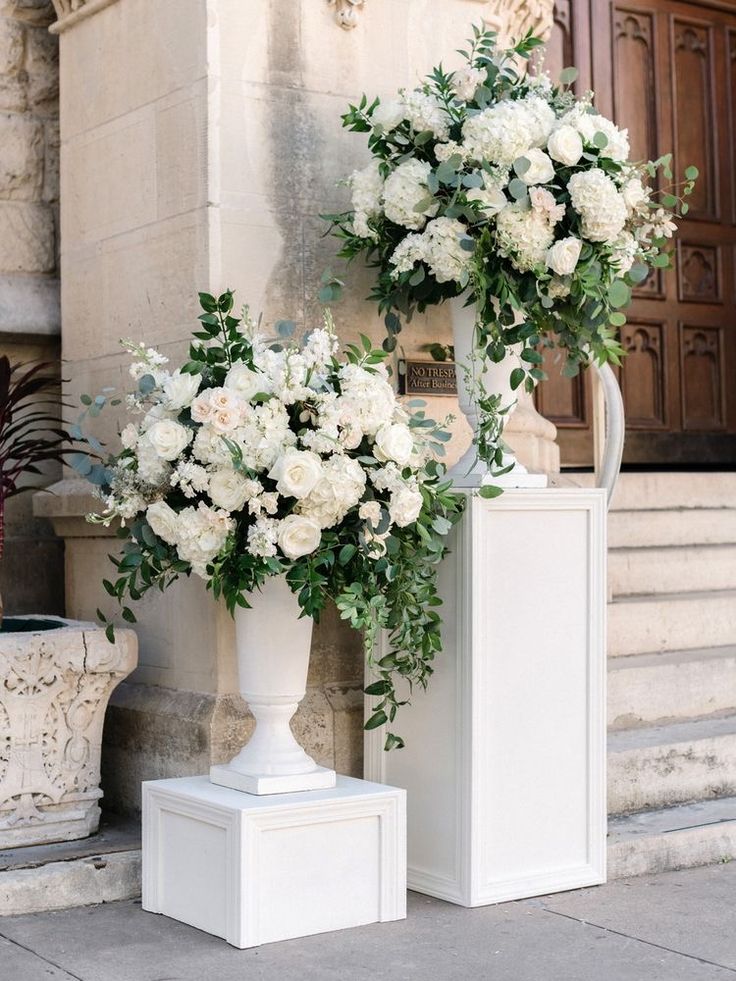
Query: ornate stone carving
column 512, row 19
column 54, row 688
column 69, row 12
column 346, row 12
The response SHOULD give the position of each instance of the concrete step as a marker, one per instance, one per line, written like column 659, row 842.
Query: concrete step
column 673, row 838
column 675, row 526
column 701, row 568
column 671, row 622
column 662, row 490
column 645, row 689
column 658, row 766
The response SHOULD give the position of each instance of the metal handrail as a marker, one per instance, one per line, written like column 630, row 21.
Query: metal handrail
column 610, row 452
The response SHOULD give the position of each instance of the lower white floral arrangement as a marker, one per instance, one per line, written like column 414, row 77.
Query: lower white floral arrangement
column 260, row 458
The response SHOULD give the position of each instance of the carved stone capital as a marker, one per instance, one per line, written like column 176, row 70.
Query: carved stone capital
column 346, row 12
column 70, row 12
column 512, row 19
column 54, row 689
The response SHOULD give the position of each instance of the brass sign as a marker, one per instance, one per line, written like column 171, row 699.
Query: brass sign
column 429, row 378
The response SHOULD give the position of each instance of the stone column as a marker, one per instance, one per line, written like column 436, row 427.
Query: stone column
column 201, row 140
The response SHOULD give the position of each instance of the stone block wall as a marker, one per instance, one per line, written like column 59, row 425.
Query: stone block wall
column 31, row 573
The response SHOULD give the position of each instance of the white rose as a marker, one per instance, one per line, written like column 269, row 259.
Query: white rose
column 370, row 511
column 634, row 193
column 297, row 473
column 168, row 438
column 562, row 257
column 129, row 436
column 541, row 169
column 164, row 522
column 394, row 442
column 388, row 115
column 201, row 408
column 298, row 536
column 245, row 381
column 180, row 389
column 225, row 420
column 405, row 506
column 565, row 145
column 228, row 490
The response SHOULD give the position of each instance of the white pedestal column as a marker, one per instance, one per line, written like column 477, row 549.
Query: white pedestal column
column 254, row 870
column 504, row 762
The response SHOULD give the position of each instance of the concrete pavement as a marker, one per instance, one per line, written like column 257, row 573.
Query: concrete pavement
column 675, row 926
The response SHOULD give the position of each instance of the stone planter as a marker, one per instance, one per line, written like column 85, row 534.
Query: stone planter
column 54, row 688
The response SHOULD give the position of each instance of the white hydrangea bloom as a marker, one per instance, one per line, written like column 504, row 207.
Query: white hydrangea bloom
column 444, row 255
column 367, row 400
column 203, row 532
column 190, row 477
column 524, row 235
column 339, row 490
column 504, row 131
column 443, row 151
column 596, row 199
column 263, row 536
column 403, row 191
column 590, row 123
column 425, row 112
column 367, row 191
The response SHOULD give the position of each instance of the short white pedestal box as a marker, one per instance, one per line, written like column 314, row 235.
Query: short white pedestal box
column 504, row 763
column 253, row 870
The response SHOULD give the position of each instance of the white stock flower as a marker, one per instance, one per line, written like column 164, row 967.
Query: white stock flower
column 562, row 257
column 405, row 506
column 425, row 112
column 371, row 512
column 168, row 438
column 565, row 145
column 505, row 131
column 403, row 191
column 163, row 521
column 595, row 198
column 298, row 536
column 262, row 537
column 541, row 169
column 388, row 115
column 296, row 473
column 179, row 389
column 366, row 186
column 228, row 490
column 245, row 381
column 321, row 347
column 466, row 81
column 129, row 436
column 394, row 442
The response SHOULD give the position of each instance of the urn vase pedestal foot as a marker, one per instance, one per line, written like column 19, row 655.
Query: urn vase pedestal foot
column 257, row 869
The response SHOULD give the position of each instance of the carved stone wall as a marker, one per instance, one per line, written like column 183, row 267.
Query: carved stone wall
column 54, row 689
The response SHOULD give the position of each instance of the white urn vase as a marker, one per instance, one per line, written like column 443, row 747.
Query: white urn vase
column 273, row 644
column 494, row 379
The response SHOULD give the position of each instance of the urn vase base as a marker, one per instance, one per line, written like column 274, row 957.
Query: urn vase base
column 470, row 472
column 225, row 775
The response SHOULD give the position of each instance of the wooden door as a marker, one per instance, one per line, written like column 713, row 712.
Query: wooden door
column 667, row 71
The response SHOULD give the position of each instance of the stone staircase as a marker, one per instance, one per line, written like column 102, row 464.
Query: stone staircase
column 672, row 672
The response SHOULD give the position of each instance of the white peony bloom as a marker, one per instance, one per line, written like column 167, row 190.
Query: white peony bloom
column 506, row 130
column 403, row 191
column 298, row 536
column 163, row 521
column 405, row 506
column 425, row 112
column 180, row 389
column 466, row 81
column 524, row 235
column 541, row 169
column 562, row 257
column 296, row 473
column 635, row 195
column 168, row 438
column 565, row 145
column 394, row 442
column 595, row 198
column 388, row 115
column 129, row 436
column 367, row 192
column 245, row 381
column 228, row 490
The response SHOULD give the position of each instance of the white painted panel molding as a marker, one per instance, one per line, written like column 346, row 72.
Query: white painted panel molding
column 257, row 869
column 504, row 763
